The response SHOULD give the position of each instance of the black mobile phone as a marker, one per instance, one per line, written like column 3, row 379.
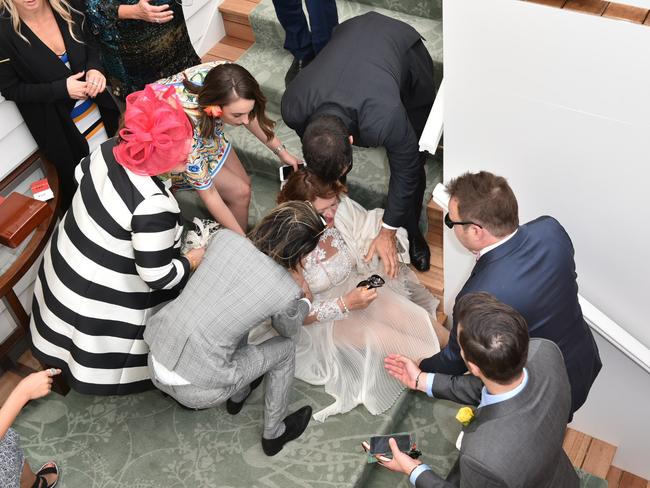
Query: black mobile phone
column 287, row 169
column 379, row 443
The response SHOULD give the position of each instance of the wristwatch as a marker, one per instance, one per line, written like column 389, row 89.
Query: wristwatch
column 279, row 149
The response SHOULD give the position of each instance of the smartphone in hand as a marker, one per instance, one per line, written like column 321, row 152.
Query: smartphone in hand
column 287, row 169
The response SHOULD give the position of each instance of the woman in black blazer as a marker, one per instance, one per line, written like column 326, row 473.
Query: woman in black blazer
column 50, row 66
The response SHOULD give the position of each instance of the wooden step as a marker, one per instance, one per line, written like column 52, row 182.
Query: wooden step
column 228, row 49
column 591, row 455
column 435, row 217
column 236, row 10
column 235, row 19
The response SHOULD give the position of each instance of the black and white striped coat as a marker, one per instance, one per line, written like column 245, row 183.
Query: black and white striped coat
column 112, row 261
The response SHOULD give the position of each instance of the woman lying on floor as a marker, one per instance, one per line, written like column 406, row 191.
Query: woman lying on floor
column 351, row 329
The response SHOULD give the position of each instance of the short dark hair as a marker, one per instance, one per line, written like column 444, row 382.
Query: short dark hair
column 288, row 233
column 493, row 335
column 486, row 199
column 326, row 147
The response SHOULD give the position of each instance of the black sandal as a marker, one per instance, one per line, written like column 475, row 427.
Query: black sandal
column 47, row 468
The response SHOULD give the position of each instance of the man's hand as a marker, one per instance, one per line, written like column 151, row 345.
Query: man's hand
column 384, row 246
column 403, row 370
column 401, row 462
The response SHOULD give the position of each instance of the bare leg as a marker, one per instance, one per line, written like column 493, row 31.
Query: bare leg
column 234, row 186
column 27, row 477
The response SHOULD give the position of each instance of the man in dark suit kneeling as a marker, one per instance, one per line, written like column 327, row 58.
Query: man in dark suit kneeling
column 522, row 397
column 529, row 267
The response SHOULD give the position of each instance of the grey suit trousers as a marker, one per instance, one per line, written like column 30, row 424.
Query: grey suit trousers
column 274, row 358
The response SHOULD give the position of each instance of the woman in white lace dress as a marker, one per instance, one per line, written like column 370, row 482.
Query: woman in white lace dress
column 350, row 330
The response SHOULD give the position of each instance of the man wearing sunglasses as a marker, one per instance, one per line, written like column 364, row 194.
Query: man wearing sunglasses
column 529, row 267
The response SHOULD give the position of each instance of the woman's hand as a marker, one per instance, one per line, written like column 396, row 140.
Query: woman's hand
column 95, row 82
column 287, row 158
column 76, row 88
column 360, row 298
column 142, row 10
column 36, row 385
column 195, row 256
column 158, row 14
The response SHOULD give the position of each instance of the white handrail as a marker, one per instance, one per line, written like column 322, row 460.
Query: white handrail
column 615, row 334
column 433, row 129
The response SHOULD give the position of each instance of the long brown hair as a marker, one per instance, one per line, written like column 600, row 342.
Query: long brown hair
column 306, row 186
column 61, row 7
column 224, row 84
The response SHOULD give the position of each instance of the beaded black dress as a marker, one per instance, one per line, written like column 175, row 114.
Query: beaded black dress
column 135, row 52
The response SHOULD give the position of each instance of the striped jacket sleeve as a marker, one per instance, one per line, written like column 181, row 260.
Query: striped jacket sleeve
column 156, row 239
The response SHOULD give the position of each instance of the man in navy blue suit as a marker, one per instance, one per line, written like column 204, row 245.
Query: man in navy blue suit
column 528, row 267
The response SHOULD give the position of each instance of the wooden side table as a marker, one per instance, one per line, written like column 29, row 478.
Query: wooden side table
column 14, row 265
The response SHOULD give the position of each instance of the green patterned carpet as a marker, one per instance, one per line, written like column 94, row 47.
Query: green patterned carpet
column 149, row 441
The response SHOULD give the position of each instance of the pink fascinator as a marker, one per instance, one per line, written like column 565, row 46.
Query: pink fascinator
column 157, row 134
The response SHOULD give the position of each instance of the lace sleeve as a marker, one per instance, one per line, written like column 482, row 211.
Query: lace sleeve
column 327, row 310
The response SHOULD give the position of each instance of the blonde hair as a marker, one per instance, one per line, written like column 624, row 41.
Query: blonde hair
column 288, row 233
column 61, row 7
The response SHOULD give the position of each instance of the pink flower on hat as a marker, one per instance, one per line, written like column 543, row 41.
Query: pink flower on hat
column 157, row 135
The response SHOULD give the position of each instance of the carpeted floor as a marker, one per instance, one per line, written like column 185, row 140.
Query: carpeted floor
column 149, row 441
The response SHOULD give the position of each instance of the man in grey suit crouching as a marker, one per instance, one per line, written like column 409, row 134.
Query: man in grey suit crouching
column 199, row 351
column 520, row 388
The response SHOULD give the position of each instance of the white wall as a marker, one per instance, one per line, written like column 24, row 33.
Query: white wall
column 557, row 101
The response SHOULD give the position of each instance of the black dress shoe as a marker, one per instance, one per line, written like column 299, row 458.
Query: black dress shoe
column 295, row 68
column 233, row 407
column 419, row 252
column 294, row 425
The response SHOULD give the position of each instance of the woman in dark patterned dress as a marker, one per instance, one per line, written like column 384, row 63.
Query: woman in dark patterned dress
column 141, row 41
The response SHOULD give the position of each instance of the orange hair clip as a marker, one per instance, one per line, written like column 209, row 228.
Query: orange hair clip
column 213, row 111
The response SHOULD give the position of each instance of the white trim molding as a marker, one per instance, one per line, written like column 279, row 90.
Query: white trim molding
column 433, row 129
column 615, row 334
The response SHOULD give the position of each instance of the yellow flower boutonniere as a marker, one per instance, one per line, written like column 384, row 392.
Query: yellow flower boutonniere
column 465, row 416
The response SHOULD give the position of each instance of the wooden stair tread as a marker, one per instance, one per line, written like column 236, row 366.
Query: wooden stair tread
column 629, row 480
column 237, row 10
column 236, row 42
column 225, row 51
column 599, row 458
column 614, row 476
column 576, row 445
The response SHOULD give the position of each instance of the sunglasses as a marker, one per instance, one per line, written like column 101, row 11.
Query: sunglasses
column 374, row 281
column 450, row 223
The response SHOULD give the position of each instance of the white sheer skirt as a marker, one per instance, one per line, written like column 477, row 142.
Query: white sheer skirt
column 347, row 356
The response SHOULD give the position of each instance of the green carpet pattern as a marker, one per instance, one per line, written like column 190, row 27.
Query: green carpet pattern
column 146, row 440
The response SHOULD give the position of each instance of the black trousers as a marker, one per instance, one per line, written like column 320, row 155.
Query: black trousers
column 417, row 92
